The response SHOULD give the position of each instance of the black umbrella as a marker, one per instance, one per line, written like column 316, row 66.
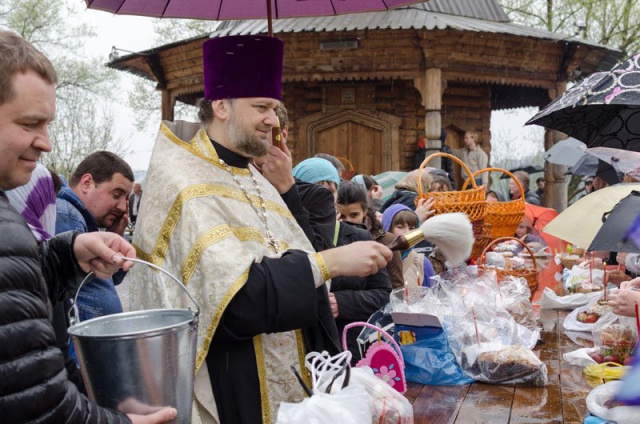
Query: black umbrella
column 603, row 110
column 615, row 225
column 529, row 169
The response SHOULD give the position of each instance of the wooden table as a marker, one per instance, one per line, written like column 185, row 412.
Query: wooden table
column 561, row 401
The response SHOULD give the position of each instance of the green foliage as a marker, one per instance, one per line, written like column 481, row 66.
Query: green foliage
column 81, row 126
column 614, row 23
column 146, row 101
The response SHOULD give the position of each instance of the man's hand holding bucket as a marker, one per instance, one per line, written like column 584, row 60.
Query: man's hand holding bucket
column 102, row 253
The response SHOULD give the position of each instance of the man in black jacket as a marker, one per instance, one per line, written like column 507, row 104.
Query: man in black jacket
column 34, row 386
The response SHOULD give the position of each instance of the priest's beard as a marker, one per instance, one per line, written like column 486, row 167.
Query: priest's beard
column 247, row 143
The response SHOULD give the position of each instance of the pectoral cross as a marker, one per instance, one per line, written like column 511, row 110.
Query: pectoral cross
column 274, row 244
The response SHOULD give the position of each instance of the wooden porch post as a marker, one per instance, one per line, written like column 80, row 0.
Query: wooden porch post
column 431, row 87
column 168, row 104
column 555, row 192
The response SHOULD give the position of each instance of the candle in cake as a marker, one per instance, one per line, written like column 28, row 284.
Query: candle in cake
column 604, row 278
column 475, row 323
column 406, row 292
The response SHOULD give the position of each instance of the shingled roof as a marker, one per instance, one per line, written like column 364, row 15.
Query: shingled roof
column 475, row 16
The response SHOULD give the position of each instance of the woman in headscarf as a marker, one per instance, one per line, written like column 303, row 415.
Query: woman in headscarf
column 407, row 189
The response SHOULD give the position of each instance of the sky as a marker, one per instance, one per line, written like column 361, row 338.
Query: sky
column 135, row 34
column 132, row 33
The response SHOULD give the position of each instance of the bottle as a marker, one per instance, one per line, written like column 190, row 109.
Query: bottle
column 407, row 240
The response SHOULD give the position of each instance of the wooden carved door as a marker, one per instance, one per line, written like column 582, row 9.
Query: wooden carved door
column 359, row 144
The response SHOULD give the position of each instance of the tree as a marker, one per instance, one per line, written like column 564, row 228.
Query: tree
column 144, row 98
column 614, row 23
column 77, row 139
column 81, row 125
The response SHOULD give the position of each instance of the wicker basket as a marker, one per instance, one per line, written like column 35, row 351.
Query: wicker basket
column 481, row 236
column 347, row 174
column 504, row 217
column 472, row 202
column 531, row 275
column 569, row 263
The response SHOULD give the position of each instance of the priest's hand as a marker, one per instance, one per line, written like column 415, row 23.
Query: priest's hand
column 101, row 253
column 624, row 302
column 358, row 259
column 277, row 168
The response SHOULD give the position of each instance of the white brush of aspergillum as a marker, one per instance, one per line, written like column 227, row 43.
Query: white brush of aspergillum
column 452, row 233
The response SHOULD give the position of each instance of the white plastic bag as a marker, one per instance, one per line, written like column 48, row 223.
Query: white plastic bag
column 580, row 357
column 550, row 300
column 571, row 322
column 597, row 398
column 351, row 405
column 514, row 297
column 333, row 401
column 390, row 407
column 582, row 279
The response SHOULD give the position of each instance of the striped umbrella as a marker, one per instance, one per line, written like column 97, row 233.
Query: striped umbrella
column 387, row 181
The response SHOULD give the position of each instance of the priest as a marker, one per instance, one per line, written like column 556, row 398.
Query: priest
column 213, row 220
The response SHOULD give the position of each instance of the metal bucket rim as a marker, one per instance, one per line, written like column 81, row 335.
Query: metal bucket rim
column 192, row 321
column 73, row 311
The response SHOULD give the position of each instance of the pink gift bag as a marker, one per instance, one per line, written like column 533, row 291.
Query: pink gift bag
column 385, row 361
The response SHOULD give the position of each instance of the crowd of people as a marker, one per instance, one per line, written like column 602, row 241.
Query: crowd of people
column 280, row 258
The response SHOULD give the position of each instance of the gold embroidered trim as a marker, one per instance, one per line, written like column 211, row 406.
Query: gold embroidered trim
column 141, row 254
column 302, row 352
column 208, row 148
column 199, row 146
column 164, row 129
column 212, row 236
column 324, row 269
column 262, row 378
column 159, row 251
column 217, row 316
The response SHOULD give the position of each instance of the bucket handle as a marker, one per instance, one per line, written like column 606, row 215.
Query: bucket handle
column 74, row 315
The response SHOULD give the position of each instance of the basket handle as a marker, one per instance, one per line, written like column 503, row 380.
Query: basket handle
column 504, row 171
column 343, row 159
column 483, row 258
column 444, row 155
column 74, row 316
column 373, row 327
column 352, row 170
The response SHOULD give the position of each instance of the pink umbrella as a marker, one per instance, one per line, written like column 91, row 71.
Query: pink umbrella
column 243, row 9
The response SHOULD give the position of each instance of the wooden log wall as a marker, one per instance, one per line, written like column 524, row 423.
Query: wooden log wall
column 395, row 97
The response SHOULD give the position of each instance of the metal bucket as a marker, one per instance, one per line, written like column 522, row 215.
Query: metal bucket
column 137, row 362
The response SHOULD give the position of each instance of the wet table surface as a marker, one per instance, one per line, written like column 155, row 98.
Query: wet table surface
column 561, row 401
